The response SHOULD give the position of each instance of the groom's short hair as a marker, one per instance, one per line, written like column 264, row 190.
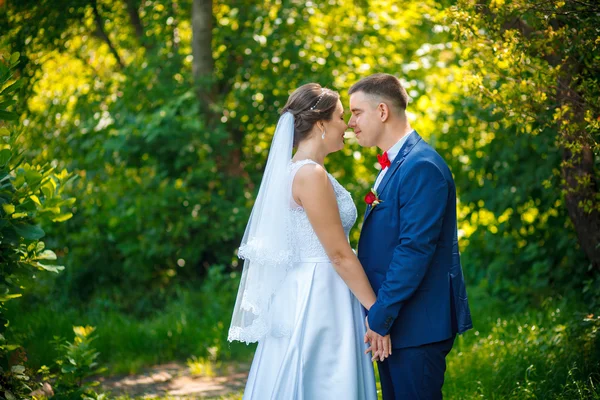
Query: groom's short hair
column 383, row 85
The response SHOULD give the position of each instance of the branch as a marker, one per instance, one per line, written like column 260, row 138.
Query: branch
column 176, row 37
column 134, row 17
column 102, row 33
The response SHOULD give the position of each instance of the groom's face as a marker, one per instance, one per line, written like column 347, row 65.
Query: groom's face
column 365, row 120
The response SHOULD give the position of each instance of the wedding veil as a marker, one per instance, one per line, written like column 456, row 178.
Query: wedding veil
column 266, row 247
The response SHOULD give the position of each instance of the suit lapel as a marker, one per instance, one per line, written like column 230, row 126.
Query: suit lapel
column 407, row 147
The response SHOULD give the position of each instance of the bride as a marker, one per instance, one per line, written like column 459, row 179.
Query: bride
column 302, row 286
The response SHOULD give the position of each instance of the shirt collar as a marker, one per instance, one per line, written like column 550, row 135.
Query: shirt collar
column 395, row 149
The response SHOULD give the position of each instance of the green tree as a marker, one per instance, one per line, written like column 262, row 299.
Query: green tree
column 167, row 124
column 536, row 65
column 165, row 190
column 31, row 196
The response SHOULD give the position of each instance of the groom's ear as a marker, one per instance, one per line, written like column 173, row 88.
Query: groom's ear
column 384, row 111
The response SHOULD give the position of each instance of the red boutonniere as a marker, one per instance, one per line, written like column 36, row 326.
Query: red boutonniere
column 372, row 198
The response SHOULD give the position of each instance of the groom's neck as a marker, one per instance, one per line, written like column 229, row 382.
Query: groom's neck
column 394, row 130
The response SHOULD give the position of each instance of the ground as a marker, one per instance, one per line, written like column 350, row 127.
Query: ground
column 175, row 381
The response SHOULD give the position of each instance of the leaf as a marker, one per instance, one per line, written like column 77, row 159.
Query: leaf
column 53, row 210
column 29, row 232
column 68, row 202
column 8, row 208
column 10, row 347
column 40, row 247
column 49, row 188
column 36, row 200
column 50, row 268
column 8, row 116
column 19, row 215
column 19, row 181
column 12, row 87
column 10, row 236
column 5, row 155
column 6, row 297
column 33, row 177
column 67, row 369
column 46, row 255
column 47, row 192
column 18, row 369
column 7, row 103
column 14, row 57
column 63, row 217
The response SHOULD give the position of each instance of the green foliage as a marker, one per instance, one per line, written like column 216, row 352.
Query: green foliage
column 29, row 195
column 79, row 358
column 151, row 240
column 506, row 91
column 552, row 352
column 15, row 382
column 192, row 324
column 165, row 191
column 526, row 225
column 75, row 364
column 518, row 241
column 535, row 66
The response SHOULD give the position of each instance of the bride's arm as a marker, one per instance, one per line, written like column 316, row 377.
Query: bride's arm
column 313, row 191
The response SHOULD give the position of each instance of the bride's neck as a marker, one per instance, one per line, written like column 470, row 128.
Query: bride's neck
column 309, row 150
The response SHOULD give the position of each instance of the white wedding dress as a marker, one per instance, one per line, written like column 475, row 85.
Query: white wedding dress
column 321, row 353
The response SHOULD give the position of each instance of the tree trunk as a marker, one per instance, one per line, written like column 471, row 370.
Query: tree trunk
column 587, row 224
column 102, row 33
column 136, row 22
column 202, row 65
column 176, row 37
column 579, row 174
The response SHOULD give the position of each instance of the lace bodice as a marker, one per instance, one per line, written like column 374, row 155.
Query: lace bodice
column 304, row 237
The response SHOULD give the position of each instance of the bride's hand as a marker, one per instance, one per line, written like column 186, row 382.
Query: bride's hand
column 380, row 346
column 385, row 347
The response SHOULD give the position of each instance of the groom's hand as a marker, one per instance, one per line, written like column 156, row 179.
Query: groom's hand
column 381, row 346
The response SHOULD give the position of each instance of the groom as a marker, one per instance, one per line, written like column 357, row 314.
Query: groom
column 408, row 245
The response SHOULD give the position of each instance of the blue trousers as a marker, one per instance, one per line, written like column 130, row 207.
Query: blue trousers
column 415, row 373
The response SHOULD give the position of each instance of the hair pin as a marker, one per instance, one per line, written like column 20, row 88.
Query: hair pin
column 319, row 99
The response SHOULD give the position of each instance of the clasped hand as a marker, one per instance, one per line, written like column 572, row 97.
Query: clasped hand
column 380, row 346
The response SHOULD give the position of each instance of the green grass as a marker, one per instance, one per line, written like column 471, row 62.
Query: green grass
column 547, row 352
column 550, row 352
column 126, row 345
column 193, row 324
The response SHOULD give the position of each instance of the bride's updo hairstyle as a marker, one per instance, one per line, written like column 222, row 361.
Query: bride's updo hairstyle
column 308, row 104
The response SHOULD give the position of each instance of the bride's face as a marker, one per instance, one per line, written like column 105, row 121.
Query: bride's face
column 335, row 130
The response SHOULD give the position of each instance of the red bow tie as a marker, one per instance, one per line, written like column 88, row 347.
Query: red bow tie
column 384, row 161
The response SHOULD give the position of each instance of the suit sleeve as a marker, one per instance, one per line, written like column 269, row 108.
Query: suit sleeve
column 423, row 195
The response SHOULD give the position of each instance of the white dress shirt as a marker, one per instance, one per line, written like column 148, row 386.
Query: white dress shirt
column 392, row 153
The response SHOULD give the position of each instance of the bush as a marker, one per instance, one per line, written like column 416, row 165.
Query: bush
column 30, row 195
column 75, row 364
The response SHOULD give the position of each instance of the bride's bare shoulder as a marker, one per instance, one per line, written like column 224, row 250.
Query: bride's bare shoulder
column 311, row 175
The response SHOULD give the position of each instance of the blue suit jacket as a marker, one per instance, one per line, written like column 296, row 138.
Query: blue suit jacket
column 409, row 249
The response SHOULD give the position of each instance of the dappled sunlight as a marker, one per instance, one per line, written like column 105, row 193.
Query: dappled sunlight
column 139, row 172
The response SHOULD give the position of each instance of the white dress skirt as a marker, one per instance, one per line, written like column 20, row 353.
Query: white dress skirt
column 323, row 356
